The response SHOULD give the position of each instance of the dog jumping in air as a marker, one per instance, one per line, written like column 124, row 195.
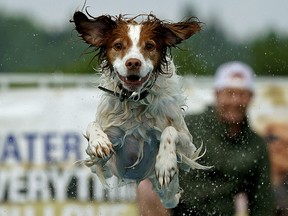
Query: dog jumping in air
column 139, row 131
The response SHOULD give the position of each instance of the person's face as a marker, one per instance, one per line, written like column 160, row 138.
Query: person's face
column 277, row 140
column 232, row 104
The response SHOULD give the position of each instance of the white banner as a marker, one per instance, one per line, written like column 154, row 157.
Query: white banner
column 41, row 149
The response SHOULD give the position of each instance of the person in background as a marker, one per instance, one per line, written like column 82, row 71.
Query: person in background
column 277, row 140
column 239, row 182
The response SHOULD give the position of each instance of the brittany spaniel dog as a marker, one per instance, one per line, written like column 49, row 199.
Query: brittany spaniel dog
column 139, row 131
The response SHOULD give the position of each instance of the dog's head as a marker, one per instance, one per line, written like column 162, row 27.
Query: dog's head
column 133, row 51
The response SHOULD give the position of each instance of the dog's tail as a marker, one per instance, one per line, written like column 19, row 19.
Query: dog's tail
column 191, row 162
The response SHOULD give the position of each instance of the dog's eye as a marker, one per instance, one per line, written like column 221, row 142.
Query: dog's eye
column 118, row 46
column 149, row 46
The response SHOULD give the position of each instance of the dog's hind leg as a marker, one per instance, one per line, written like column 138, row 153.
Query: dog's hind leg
column 99, row 167
column 170, row 195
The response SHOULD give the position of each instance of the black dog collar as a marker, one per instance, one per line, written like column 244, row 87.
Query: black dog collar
column 125, row 94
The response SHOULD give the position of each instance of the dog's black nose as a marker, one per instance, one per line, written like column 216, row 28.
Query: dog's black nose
column 133, row 64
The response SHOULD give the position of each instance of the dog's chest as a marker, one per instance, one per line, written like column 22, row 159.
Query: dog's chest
column 135, row 151
column 136, row 143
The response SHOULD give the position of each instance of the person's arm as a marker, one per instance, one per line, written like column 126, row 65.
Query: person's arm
column 148, row 202
column 262, row 199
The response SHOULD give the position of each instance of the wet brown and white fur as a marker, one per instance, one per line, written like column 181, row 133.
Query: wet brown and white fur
column 139, row 131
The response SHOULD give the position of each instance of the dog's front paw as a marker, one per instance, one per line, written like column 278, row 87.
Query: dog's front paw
column 99, row 146
column 166, row 168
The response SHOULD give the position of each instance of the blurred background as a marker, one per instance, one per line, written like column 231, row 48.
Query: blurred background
column 37, row 36
column 48, row 91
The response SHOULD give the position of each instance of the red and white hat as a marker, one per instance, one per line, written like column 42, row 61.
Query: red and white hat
column 234, row 75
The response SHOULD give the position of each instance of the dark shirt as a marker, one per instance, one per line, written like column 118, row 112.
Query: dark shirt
column 240, row 164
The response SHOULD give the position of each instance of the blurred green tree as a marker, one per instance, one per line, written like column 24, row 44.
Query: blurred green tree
column 270, row 54
column 27, row 48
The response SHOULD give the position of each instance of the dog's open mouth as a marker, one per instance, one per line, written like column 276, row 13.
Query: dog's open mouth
column 133, row 81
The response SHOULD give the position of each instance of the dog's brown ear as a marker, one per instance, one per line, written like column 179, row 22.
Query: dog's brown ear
column 93, row 31
column 175, row 33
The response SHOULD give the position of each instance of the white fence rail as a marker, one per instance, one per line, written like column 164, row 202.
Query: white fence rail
column 59, row 79
column 8, row 80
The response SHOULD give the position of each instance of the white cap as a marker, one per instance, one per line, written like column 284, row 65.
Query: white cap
column 234, row 75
